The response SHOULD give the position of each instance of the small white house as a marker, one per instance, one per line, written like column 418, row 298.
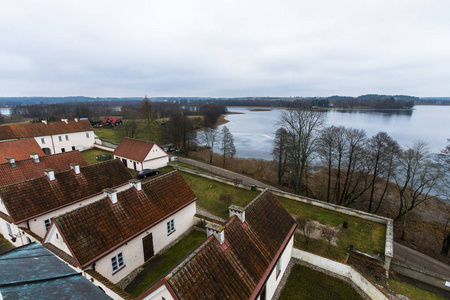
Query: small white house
column 119, row 233
column 244, row 258
column 139, row 155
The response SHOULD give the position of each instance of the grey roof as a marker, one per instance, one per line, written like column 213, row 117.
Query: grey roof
column 33, row 272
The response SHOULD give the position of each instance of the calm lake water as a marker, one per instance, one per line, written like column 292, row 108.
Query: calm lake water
column 254, row 131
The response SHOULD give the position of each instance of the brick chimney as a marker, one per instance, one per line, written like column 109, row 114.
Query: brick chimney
column 238, row 211
column 136, row 184
column 111, row 194
column 35, row 157
column 75, row 167
column 217, row 230
column 11, row 161
column 50, row 174
column 65, row 121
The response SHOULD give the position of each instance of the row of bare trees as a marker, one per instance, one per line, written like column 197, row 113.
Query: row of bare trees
column 223, row 138
column 358, row 168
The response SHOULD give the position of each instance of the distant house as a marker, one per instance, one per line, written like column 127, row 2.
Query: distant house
column 19, row 149
column 111, row 122
column 244, row 258
column 14, row 171
column 139, row 155
column 28, row 207
column 53, row 137
column 31, row 272
column 117, row 234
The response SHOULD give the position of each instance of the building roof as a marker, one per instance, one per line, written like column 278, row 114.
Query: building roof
column 19, row 149
column 28, row 169
column 134, row 149
column 20, row 131
column 32, row 270
column 28, row 199
column 98, row 228
column 112, row 120
column 239, row 269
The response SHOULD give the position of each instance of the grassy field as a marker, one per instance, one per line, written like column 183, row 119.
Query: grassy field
column 305, row 283
column 363, row 234
column 109, row 135
column 91, row 154
column 411, row 291
column 168, row 259
column 209, row 191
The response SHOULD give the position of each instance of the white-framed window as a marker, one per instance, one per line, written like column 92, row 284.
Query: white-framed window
column 87, row 134
column 278, row 268
column 47, row 223
column 9, row 229
column 170, row 226
column 60, row 138
column 42, row 141
column 67, row 137
column 117, row 262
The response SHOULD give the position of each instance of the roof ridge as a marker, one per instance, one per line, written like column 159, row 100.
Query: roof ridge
column 256, row 198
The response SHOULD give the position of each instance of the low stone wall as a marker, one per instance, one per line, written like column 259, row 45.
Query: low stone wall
column 103, row 148
column 427, row 277
column 341, row 270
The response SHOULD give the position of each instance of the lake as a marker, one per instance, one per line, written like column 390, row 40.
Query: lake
column 254, row 131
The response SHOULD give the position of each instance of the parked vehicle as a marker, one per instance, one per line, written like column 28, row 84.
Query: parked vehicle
column 103, row 157
column 147, row 172
column 174, row 158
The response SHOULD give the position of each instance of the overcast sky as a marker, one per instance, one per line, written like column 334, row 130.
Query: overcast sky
column 224, row 48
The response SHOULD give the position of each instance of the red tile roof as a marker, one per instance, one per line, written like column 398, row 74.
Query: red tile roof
column 237, row 271
column 134, row 149
column 19, row 131
column 27, row 169
column 28, row 199
column 19, row 149
column 96, row 229
column 112, row 120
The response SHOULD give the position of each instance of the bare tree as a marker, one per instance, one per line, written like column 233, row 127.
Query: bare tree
column 305, row 225
column 416, row 177
column 327, row 151
column 446, row 241
column 227, row 144
column 280, row 151
column 210, row 139
column 302, row 126
column 146, row 113
column 329, row 234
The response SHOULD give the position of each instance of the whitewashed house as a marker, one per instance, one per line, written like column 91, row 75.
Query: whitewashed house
column 244, row 258
column 28, row 207
column 53, row 137
column 120, row 232
column 139, row 155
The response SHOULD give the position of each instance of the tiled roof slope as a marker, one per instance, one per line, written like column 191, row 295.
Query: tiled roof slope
column 27, row 169
column 93, row 230
column 27, row 199
column 19, row 149
column 235, row 272
column 133, row 149
column 20, row 131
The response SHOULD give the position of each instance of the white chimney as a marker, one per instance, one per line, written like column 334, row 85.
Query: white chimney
column 50, row 174
column 217, row 230
column 238, row 211
column 65, row 121
column 111, row 194
column 76, row 119
column 11, row 161
column 75, row 167
column 136, row 184
column 44, row 121
column 35, row 156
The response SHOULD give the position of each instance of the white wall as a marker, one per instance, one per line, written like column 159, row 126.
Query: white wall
column 133, row 250
column 155, row 159
column 156, row 163
column 130, row 162
column 76, row 139
column 54, row 237
column 273, row 280
column 160, row 293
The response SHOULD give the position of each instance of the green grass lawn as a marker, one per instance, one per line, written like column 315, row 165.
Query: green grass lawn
column 209, row 191
column 169, row 259
column 109, row 135
column 5, row 245
column 411, row 291
column 305, row 283
column 90, row 155
column 363, row 234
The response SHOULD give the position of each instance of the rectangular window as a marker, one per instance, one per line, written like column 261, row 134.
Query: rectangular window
column 60, row 138
column 47, row 223
column 87, row 134
column 42, row 141
column 117, row 262
column 170, row 226
column 63, row 150
column 278, row 269
column 67, row 137
column 9, row 229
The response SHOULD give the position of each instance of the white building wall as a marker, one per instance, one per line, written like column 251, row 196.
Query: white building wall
column 54, row 237
column 133, row 251
column 156, row 163
column 274, row 280
column 160, row 293
column 130, row 162
column 79, row 140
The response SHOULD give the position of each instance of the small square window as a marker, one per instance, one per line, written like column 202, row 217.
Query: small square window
column 47, row 223
column 60, row 138
column 170, row 226
column 117, row 262
column 67, row 137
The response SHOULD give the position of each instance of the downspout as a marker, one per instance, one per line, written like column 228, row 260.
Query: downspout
column 54, row 151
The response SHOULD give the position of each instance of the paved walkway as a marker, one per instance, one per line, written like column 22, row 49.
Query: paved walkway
column 412, row 257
